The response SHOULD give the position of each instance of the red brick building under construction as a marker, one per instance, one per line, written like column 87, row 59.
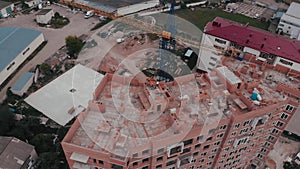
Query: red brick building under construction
column 229, row 117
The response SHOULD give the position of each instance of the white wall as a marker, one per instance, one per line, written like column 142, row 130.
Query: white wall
column 136, row 7
column 207, row 52
column 44, row 19
column 4, row 74
column 196, row 4
column 3, row 10
column 288, row 28
column 252, row 51
column 295, row 66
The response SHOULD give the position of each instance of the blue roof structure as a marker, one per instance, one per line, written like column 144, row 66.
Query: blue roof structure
column 278, row 15
column 13, row 41
column 21, row 82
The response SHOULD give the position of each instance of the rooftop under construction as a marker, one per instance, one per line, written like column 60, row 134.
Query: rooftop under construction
column 133, row 110
column 130, row 109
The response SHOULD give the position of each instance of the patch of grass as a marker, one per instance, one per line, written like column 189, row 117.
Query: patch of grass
column 201, row 16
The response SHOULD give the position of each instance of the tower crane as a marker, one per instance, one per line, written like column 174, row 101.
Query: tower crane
column 157, row 29
column 169, row 38
column 168, row 41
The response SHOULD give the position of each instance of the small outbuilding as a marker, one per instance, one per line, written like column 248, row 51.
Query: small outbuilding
column 22, row 84
column 16, row 154
column 44, row 16
column 6, row 8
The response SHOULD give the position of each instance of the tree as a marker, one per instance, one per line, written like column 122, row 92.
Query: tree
column 7, row 120
column 73, row 45
column 183, row 5
column 26, row 128
column 24, row 5
column 287, row 165
column 43, row 142
column 53, row 160
column 46, row 69
column 57, row 15
column 61, row 132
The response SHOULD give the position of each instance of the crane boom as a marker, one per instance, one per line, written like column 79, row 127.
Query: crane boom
column 156, row 29
column 167, row 41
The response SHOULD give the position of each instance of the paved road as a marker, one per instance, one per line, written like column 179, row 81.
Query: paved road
column 55, row 37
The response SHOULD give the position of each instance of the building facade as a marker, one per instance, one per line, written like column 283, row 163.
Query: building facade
column 290, row 21
column 6, row 8
column 44, row 16
column 17, row 44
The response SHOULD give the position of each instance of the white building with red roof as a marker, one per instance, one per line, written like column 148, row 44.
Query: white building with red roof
column 244, row 40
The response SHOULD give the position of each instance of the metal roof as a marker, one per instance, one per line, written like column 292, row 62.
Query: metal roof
column 4, row 4
column 66, row 96
column 13, row 41
column 291, row 19
column 137, row 7
column 96, row 5
column 278, row 14
column 293, row 10
column 14, row 152
column 115, row 3
column 43, row 11
column 188, row 53
column 254, row 38
column 22, row 81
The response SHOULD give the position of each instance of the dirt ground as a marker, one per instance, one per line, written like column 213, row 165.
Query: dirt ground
column 283, row 148
column 120, row 51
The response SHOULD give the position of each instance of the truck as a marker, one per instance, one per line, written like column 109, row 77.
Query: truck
column 89, row 14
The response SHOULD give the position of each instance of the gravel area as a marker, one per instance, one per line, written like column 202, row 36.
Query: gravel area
column 283, row 148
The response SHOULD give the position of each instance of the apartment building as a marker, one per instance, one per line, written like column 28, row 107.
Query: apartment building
column 231, row 121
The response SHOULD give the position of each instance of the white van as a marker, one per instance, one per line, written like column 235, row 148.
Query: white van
column 89, row 14
column 102, row 18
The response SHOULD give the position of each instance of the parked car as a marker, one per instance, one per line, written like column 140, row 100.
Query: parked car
column 102, row 18
column 89, row 14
